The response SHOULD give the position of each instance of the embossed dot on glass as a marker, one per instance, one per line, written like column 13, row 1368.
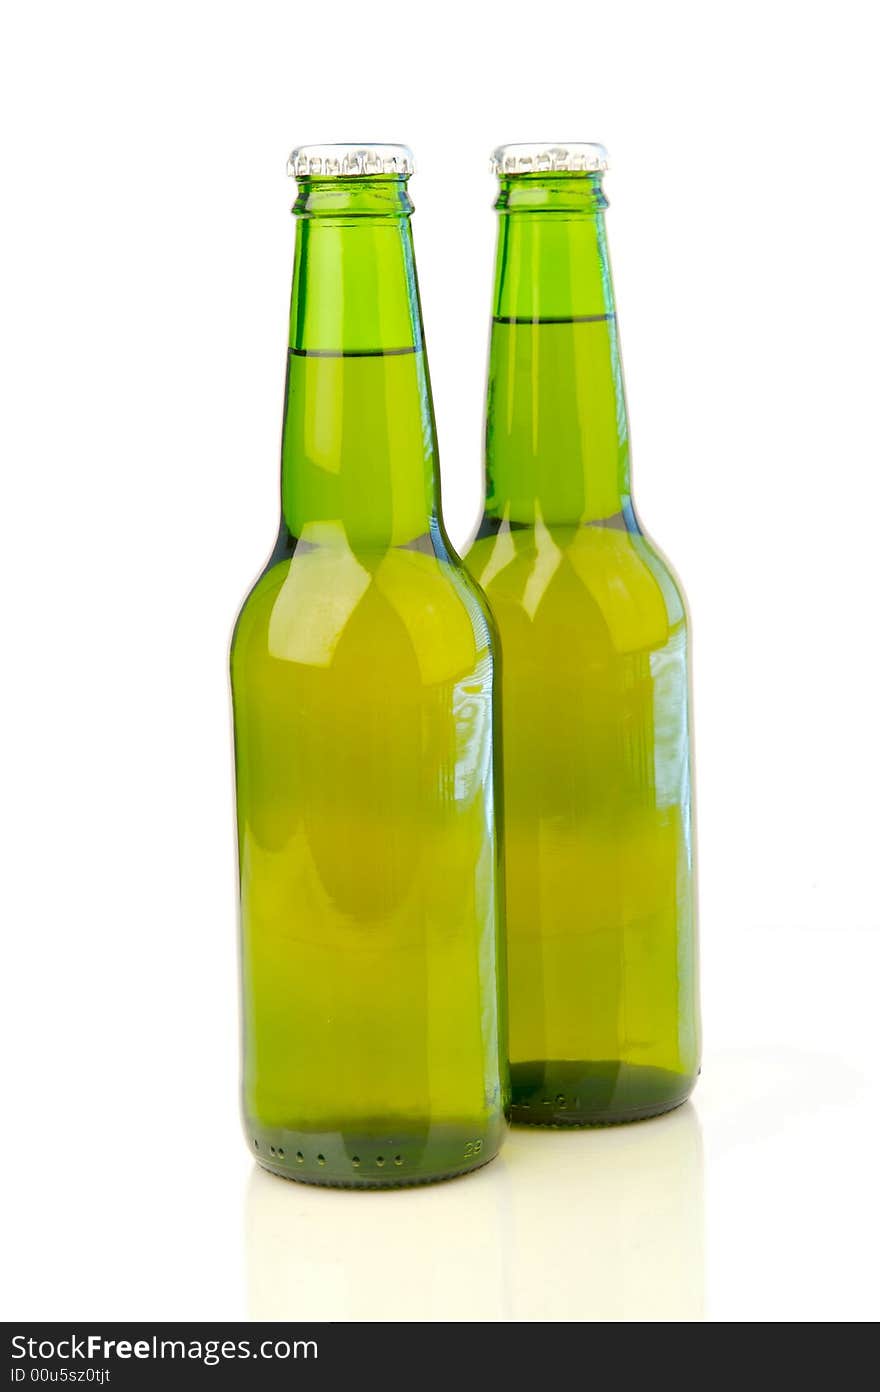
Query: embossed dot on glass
column 363, row 680
column 593, row 627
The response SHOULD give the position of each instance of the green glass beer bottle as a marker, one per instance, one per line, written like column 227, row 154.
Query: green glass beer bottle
column 363, row 694
column 595, row 694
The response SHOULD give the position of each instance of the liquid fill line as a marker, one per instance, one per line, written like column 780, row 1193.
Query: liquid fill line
column 566, row 319
column 353, row 352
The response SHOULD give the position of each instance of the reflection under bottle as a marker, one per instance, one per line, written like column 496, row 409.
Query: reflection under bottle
column 608, row 1223
column 575, row 1225
column 434, row 1252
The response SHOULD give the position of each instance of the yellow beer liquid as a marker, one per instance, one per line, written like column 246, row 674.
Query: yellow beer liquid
column 363, row 684
column 600, row 910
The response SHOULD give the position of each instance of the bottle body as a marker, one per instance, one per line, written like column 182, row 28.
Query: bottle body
column 601, row 931
column 363, row 680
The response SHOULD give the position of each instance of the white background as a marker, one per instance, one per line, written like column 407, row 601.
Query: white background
column 146, row 257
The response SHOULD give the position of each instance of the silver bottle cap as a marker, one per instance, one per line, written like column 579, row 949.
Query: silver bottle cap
column 538, row 158
column 349, row 161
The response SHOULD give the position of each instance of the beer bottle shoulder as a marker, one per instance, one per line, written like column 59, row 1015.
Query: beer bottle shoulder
column 409, row 607
column 611, row 579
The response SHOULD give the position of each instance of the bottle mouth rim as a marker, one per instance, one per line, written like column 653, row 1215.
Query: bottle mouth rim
column 536, row 157
column 368, row 160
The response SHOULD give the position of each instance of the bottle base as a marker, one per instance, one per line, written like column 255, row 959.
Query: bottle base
column 387, row 1156
column 605, row 1092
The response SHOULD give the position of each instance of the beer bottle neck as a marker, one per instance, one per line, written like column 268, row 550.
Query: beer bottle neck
column 557, row 444
column 359, row 457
